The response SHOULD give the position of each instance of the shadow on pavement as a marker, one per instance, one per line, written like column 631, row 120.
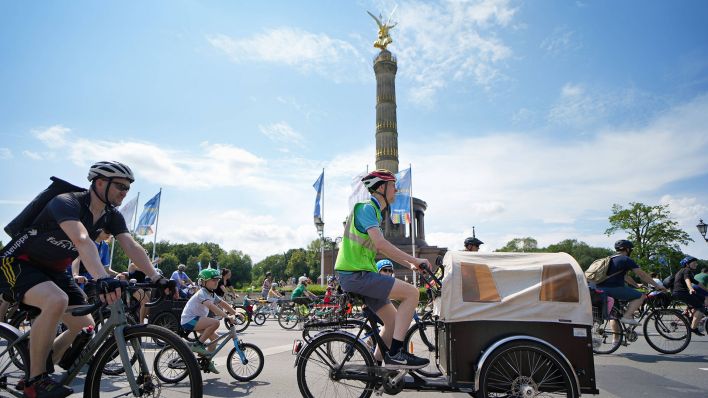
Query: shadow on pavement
column 228, row 387
column 654, row 385
column 656, row 358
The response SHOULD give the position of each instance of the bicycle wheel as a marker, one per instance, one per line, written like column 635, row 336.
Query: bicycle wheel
column 318, row 364
column 13, row 361
column 168, row 321
column 169, row 366
column 242, row 318
column 142, row 341
column 251, row 368
column 288, row 318
column 604, row 339
column 667, row 331
column 259, row 318
column 526, row 369
column 420, row 341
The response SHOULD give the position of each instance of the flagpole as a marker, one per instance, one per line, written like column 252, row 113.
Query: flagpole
column 134, row 221
column 410, row 175
column 322, row 275
column 157, row 219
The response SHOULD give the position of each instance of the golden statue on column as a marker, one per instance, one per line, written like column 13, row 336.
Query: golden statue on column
column 384, row 38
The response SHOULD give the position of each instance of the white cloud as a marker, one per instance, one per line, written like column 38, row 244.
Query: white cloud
column 282, row 133
column 451, row 38
column 5, row 153
column 33, row 155
column 578, row 106
column 561, row 40
column 53, row 137
column 304, row 50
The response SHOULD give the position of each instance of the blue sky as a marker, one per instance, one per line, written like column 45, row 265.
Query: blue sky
column 520, row 118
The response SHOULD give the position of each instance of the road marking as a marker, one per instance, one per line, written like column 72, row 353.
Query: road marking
column 277, row 349
column 706, row 369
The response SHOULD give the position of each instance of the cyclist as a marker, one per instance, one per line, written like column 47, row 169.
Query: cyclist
column 273, row 293
column 64, row 229
column 685, row 290
column 357, row 272
column 615, row 286
column 182, row 280
column 266, row 285
column 301, row 289
column 195, row 315
column 472, row 244
column 385, row 266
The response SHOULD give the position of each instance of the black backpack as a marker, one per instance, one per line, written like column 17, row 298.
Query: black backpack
column 24, row 220
column 668, row 282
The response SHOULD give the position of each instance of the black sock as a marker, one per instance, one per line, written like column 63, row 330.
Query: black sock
column 396, row 346
column 34, row 379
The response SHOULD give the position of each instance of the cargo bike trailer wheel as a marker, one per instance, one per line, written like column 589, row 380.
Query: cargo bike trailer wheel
column 524, row 368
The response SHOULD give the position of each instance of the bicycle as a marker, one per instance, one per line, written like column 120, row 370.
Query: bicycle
column 506, row 360
column 117, row 355
column 666, row 330
column 244, row 362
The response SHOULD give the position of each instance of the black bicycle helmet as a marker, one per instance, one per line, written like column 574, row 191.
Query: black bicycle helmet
column 623, row 244
column 473, row 241
column 687, row 260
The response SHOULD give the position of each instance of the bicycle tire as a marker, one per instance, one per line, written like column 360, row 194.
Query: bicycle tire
column 169, row 366
column 242, row 318
column 528, row 364
column 168, row 321
column 320, row 357
column 259, row 319
column 143, row 338
column 245, row 371
column 288, row 318
column 14, row 362
column 667, row 331
column 604, row 339
column 423, row 345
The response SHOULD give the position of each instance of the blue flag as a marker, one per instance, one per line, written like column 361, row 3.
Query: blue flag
column 147, row 218
column 318, row 185
column 401, row 206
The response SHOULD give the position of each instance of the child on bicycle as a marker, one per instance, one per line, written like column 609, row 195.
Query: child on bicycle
column 195, row 315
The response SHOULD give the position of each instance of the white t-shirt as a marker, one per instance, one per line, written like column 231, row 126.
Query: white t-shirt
column 195, row 306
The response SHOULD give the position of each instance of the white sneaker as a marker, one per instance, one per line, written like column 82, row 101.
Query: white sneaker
column 629, row 321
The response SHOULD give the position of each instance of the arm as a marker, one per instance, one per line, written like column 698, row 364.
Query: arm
column 75, row 267
column 628, row 279
column 647, row 279
column 136, row 253
column 214, row 308
column 392, row 252
column 85, row 246
column 689, row 284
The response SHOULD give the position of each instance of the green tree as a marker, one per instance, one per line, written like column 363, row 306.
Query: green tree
column 169, row 263
column 297, row 264
column 650, row 228
column 527, row 244
column 581, row 251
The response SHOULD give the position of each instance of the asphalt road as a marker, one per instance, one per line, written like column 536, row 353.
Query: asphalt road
column 633, row 371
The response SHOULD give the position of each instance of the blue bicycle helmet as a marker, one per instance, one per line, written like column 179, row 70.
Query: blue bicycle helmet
column 687, row 260
column 385, row 263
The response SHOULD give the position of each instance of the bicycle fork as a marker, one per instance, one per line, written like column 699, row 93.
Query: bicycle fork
column 237, row 345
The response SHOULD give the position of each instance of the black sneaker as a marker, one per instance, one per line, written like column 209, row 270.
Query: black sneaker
column 697, row 332
column 404, row 360
column 47, row 388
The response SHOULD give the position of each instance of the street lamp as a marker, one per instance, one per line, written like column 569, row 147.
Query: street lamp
column 702, row 228
column 319, row 224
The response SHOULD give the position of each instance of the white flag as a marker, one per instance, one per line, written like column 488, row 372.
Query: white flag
column 359, row 192
column 128, row 212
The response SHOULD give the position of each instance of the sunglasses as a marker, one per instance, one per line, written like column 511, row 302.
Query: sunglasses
column 121, row 187
column 387, row 270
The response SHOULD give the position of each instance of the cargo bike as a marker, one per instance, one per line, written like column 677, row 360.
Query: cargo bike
column 505, row 325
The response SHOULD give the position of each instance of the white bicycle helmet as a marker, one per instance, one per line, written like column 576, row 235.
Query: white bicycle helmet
column 110, row 169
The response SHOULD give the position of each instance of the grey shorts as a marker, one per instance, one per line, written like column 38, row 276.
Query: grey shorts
column 374, row 287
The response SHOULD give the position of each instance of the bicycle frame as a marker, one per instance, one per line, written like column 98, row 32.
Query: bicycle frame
column 224, row 339
column 115, row 324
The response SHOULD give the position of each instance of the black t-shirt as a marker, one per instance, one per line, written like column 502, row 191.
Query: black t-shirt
column 220, row 287
column 48, row 247
column 680, row 280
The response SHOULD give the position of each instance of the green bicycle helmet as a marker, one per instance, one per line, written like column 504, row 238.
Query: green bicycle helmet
column 209, row 273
